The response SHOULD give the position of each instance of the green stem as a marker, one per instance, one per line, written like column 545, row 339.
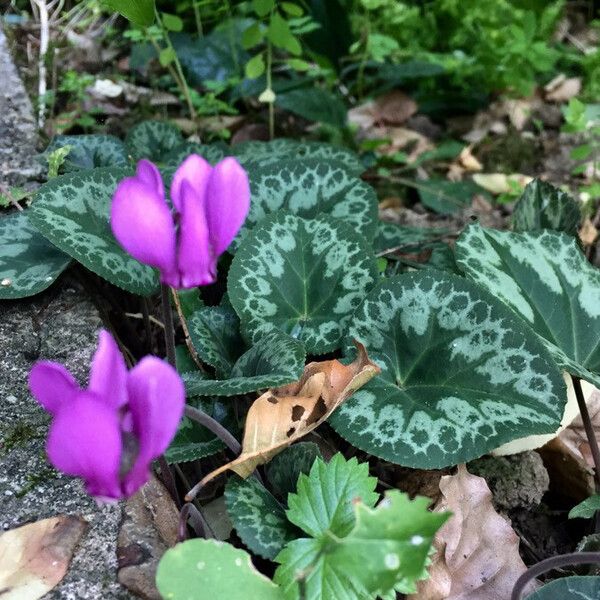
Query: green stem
column 198, row 18
column 269, row 83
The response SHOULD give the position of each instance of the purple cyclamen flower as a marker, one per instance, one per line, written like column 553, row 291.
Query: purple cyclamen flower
column 109, row 433
column 211, row 204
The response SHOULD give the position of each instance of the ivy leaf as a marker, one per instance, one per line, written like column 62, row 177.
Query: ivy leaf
column 387, row 548
column 545, row 278
column 461, row 374
column 301, row 276
column 72, row 211
column 28, row 262
column 543, row 206
column 285, row 468
column 276, row 359
column 586, row 509
column 153, row 140
column 578, row 587
column 213, row 153
column 325, row 498
column 139, row 12
column 258, row 518
column 211, row 569
column 90, row 151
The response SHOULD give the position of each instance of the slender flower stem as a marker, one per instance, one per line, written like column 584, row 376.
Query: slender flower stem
column 199, row 523
column 554, row 562
column 198, row 17
column 195, row 414
column 168, row 479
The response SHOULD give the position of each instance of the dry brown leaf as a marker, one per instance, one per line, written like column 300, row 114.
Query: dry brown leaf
column 282, row 416
column 588, row 233
column 562, row 88
column 35, row 557
column 477, row 554
column 394, row 108
column 501, row 183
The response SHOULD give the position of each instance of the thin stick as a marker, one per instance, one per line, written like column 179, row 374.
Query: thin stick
column 199, row 523
column 147, row 324
column 554, row 562
column 186, row 332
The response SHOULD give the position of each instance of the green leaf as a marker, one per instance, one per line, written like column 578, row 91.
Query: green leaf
column 255, row 67
column 152, row 140
column 276, row 359
column 214, row 331
column 252, row 36
column 461, row 374
column 391, row 235
column 387, row 548
column 578, row 587
column 586, row 509
column 213, row 153
column 314, row 104
column 263, row 7
column 324, row 501
column 546, row 279
column 28, row 262
column 542, row 206
column 308, row 188
column 447, row 197
column 285, row 468
column 301, row 276
column 258, row 518
column 269, row 153
column 72, row 211
column 210, row 569
column 280, row 34
column 139, row 12
column 166, row 57
column 90, row 151
column 292, row 9
column 172, row 22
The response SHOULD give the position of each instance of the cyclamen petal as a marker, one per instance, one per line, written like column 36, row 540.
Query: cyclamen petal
column 196, row 171
column 52, row 385
column 108, row 374
column 148, row 173
column 227, row 203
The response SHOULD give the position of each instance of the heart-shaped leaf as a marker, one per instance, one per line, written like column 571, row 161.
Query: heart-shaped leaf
column 546, row 279
column 392, row 235
column 28, row 262
column 90, row 151
column 304, row 277
column 153, row 140
column 276, row 359
column 308, row 188
column 578, row 587
column 72, row 211
column 213, row 153
column 285, row 468
column 211, row 569
column 542, row 206
column 258, row 518
column 270, row 153
column 461, row 374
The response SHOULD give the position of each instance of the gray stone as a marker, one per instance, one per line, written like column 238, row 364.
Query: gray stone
column 60, row 325
column 18, row 132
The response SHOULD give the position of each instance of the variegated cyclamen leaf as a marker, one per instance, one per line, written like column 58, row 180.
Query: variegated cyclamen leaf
column 90, row 151
column 461, row 374
column 543, row 206
column 29, row 263
column 215, row 334
column 577, row 587
column 285, row 468
column 307, row 188
column 258, row 518
column 301, row 276
column 152, row 140
column 391, row 235
column 213, row 153
column 270, row 153
column 276, row 359
column 546, row 279
column 72, row 211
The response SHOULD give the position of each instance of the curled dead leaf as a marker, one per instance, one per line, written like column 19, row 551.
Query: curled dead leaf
column 562, row 88
column 34, row 558
column 282, row 416
column 501, row 183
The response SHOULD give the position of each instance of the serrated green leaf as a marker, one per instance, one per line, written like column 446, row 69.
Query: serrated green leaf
column 270, row 153
column 392, row 235
column 29, row 263
column 72, row 211
column 389, row 545
column 153, row 140
column 324, row 501
column 258, row 518
column 461, row 374
column 285, row 468
column 213, row 153
column 301, row 276
column 255, row 67
column 215, row 334
column 139, row 12
column 276, row 359
column 586, row 509
column 542, row 206
column 90, row 151
column 314, row 104
column 545, row 278
column 308, row 188
column 579, row 587
column 209, row 569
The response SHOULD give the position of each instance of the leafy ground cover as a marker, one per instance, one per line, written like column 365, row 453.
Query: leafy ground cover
column 376, row 283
